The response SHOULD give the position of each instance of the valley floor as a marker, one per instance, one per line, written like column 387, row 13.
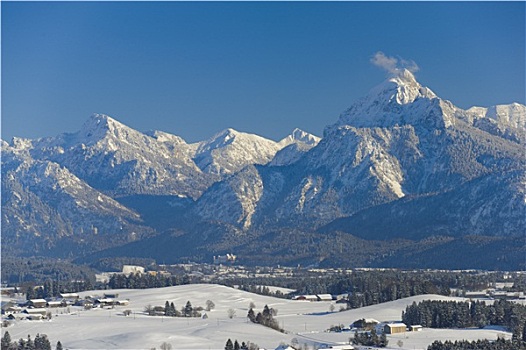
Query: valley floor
column 304, row 322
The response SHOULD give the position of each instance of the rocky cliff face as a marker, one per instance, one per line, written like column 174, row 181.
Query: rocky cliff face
column 399, row 142
column 400, row 162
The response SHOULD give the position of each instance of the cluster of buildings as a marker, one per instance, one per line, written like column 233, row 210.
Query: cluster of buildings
column 35, row 309
column 314, row 297
column 368, row 324
column 39, row 309
column 496, row 294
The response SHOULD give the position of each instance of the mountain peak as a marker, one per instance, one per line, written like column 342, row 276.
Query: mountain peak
column 99, row 126
column 404, row 75
column 401, row 88
column 301, row 136
column 395, row 101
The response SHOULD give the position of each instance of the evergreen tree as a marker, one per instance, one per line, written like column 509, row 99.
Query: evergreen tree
column 30, row 345
column 188, row 309
column 236, row 345
column 229, row 345
column 6, row 341
column 251, row 315
column 383, row 340
column 59, row 346
column 173, row 311
column 167, row 309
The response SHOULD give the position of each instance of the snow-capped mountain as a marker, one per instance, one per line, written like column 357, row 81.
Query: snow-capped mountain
column 119, row 160
column 43, row 204
column 400, row 141
column 299, row 136
column 400, row 162
column 230, row 151
column 294, row 147
column 71, row 181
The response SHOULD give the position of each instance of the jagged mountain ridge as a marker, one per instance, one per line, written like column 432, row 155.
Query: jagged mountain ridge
column 400, row 140
column 398, row 152
column 65, row 187
column 47, row 208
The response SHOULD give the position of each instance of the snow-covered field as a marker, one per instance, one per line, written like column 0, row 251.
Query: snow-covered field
column 304, row 321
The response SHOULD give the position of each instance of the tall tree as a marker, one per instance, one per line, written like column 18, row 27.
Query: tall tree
column 188, row 309
column 6, row 341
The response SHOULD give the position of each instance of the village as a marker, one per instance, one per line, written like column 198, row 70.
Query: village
column 331, row 310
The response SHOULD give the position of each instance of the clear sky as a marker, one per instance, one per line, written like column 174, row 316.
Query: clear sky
column 196, row 68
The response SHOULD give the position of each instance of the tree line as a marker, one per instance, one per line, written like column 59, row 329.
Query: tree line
column 41, row 342
column 485, row 344
column 370, row 339
column 186, row 311
column 265, row 318
column 452, row 314
column 370, row 287
column 143, row 281
column 53, row 288
column 243, row 346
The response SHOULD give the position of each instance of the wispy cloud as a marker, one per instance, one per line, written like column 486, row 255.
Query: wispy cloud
column 393, row 65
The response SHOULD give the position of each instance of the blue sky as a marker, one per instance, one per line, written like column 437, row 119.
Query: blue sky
column 196, row 68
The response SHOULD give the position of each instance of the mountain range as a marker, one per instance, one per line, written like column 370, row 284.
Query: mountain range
column 402, row 174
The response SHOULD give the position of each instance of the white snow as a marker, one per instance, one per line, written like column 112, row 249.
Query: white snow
column 307, row 322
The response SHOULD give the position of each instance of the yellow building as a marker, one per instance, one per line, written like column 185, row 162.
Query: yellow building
column 393, row 328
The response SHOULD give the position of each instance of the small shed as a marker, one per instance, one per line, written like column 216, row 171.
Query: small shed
column 416, row 328
column 394, row 328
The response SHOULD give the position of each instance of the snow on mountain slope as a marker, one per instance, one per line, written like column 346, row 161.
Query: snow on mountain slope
column 400, row 140
column 294, row 146
column 233, row 200
column 299, row 136
column 230, row 151
column 44, row 201
column 399, row 100
column 507, row 121
column 121, row 161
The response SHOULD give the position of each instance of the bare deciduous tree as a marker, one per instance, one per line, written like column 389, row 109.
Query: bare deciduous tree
column 210, row 305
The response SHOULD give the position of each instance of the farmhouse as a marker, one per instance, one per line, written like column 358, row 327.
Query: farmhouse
column 36, row 311
column 324, row 297
column 365, row 323
column 393, row 328
column 37, row 303
column 306, row 297
column 104, row 302
column 70, row 296
column 56, row 303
